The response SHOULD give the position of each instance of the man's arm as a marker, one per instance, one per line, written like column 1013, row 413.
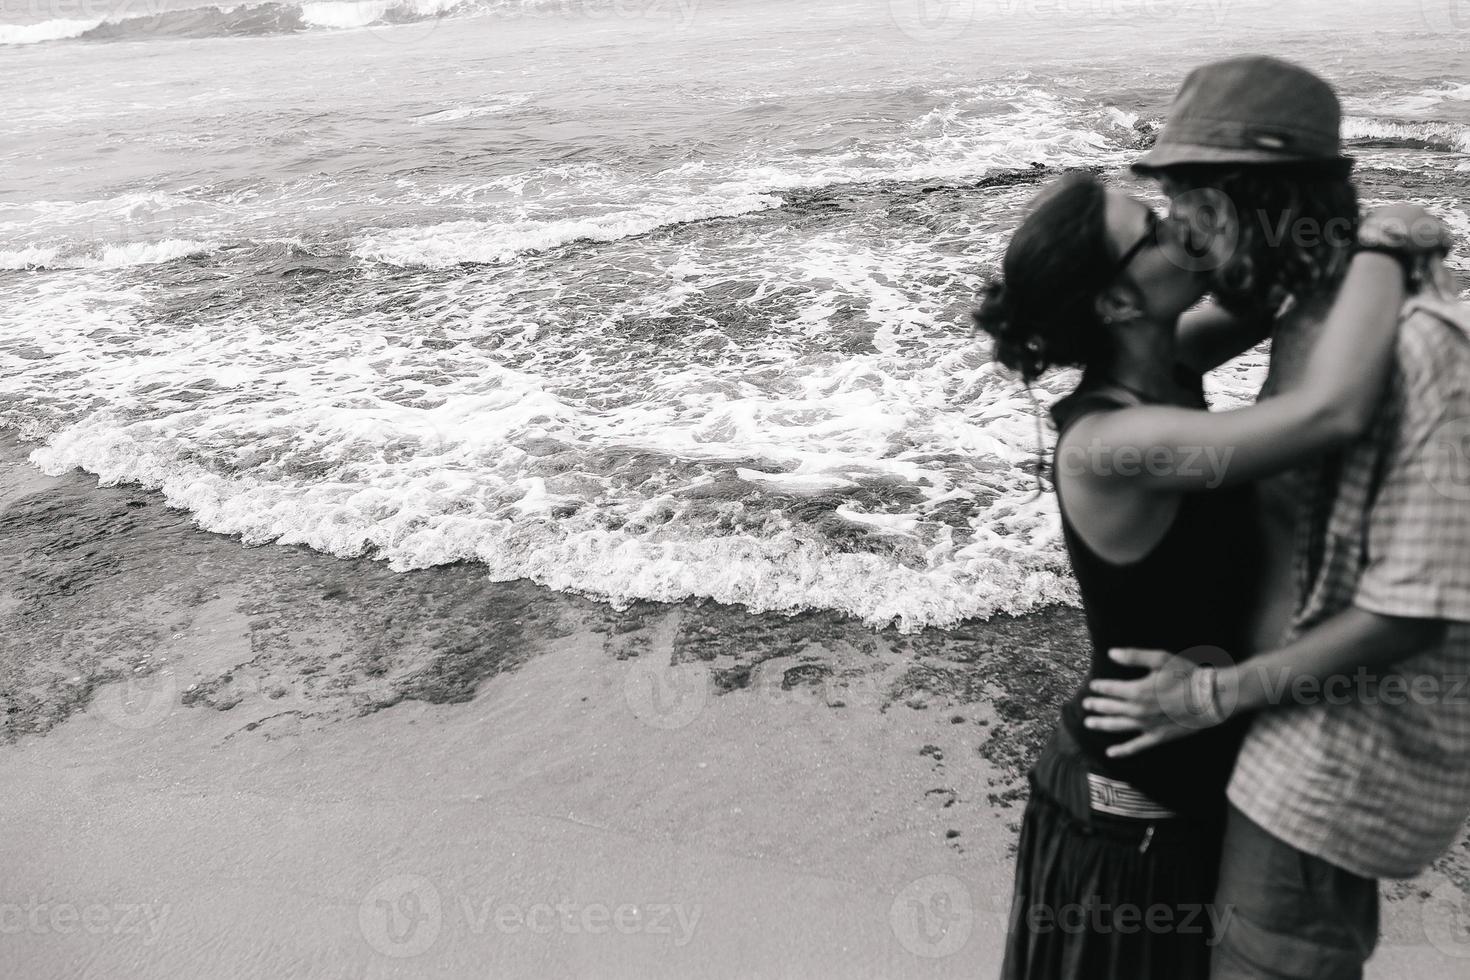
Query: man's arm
column 1167, row 704
column 1416, row 580
column 1209, row 335
column 1352, row 639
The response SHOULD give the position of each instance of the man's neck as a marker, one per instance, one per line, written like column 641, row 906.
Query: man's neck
column 1292, row 340
column 1279, row 496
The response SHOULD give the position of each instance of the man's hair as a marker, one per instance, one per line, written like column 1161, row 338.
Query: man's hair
column 1296, row 222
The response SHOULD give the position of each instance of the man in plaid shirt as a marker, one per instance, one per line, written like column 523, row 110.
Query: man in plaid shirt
column 1371, row 780
column 1364, row 771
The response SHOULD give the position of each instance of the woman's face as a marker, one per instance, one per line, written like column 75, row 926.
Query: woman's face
column 1165, row 285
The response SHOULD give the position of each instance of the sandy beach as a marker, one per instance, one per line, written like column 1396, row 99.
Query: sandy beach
column 233, row 761
column 474, row 386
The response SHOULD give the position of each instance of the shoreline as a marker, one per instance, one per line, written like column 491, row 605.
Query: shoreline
column 103, row 580
column 282, row 762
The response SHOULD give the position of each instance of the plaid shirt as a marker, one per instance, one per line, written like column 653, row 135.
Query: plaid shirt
column 1376, row 779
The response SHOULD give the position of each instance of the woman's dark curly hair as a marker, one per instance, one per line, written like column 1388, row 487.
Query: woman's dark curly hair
column 1296, row 223
column 1042, row 310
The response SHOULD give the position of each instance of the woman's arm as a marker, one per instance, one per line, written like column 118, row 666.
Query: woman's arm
column 1210, row 335
column 1333, row 403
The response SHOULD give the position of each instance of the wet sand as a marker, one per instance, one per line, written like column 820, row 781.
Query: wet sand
column 232, row 761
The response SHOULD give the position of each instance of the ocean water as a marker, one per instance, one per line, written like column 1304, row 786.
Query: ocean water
column 637, row 298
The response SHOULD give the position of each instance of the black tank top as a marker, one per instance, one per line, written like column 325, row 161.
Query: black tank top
column 1190, row 595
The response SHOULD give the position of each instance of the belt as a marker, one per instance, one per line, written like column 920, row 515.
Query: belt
column 1113, row 796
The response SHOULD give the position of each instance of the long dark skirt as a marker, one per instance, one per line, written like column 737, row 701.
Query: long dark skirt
column 1102, row 897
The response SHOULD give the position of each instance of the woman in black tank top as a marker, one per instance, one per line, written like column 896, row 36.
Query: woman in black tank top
column 1118, row 856
column 1189, row 592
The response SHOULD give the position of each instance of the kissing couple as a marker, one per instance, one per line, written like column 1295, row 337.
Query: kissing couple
column 1271, row 721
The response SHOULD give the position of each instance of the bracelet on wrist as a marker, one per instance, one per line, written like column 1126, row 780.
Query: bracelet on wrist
column 1204, row 696
column 1407, row 261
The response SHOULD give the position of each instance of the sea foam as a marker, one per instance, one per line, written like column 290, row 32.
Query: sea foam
column 1431, row 135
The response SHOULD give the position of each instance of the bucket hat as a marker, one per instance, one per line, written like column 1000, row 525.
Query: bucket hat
column 1249, row 110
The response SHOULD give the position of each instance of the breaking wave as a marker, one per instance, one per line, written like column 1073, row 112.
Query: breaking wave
column 104, row 257
column 248, row 20
column 1372, row 131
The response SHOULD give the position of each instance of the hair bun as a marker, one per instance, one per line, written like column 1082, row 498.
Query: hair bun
column 994, row 314
column 1014, row 347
